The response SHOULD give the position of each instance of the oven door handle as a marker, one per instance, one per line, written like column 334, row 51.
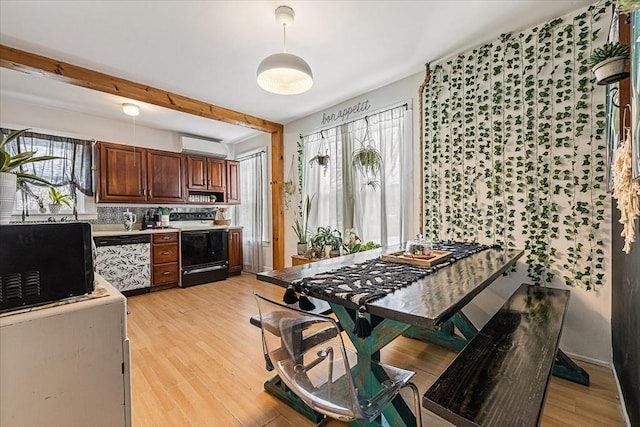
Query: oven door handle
column 204, row 269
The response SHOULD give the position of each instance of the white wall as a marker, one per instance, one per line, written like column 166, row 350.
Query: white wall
column 402, row 91
column 587, row 330
column 261, row 142
column 40, row 118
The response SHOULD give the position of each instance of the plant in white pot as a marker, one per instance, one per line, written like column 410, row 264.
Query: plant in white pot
column 301, row 224
column 11, row 173
column 608, row 63
column 57, row 200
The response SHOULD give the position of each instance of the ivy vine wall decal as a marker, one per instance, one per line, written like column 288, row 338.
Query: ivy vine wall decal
column 514, row 149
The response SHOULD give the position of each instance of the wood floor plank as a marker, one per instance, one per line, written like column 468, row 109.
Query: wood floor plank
column 196, row 361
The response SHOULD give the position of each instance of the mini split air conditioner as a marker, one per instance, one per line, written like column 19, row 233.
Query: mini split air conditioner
column 203, row 146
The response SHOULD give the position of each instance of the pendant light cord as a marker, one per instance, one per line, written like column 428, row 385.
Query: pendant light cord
column 284, row 37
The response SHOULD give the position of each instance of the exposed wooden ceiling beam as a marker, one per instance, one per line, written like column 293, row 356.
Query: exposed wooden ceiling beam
column 31, row 63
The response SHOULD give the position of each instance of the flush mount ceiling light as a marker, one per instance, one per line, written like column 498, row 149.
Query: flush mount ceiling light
column 284, row 73
column 130, row 109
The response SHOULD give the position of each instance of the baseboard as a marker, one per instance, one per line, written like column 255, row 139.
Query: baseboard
column 604, row 364
column 627, row 420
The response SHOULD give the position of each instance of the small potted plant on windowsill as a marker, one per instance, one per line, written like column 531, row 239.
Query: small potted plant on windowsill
column 57, row 200
column 327, row 240
column 608, row 63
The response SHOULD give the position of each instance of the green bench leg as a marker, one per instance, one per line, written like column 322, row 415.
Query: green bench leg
column 566, row 368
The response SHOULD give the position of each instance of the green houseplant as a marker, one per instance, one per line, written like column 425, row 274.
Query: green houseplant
column 301, row 225
column 368, row 161
column 57, row 200
column 354, row 244
column 608, row 63
column 327, row 239
column 11, row 174
column 322, row 157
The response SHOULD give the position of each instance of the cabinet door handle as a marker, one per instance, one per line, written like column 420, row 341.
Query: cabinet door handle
column 166, row 253
column 166, row 273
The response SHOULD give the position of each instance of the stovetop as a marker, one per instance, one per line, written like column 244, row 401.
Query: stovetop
column 194, row 221
column 191, row 216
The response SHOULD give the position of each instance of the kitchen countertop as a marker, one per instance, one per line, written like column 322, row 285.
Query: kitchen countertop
column 103, row 230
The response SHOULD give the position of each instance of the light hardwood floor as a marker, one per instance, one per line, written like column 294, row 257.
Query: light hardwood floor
column 196, row 361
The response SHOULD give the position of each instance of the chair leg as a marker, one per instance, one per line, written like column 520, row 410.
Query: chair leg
column 416, row 402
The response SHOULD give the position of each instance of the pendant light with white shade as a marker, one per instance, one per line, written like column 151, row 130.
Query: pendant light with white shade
column 284, row 73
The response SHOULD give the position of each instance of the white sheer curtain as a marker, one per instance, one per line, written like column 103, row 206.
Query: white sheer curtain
column 343, row 200
column 251, row 212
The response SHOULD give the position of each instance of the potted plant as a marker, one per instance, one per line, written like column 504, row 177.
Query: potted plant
column 354, row 244
column 322, row 158
column 57, row 200
column 301, row 224
column 628, row 6
column 11, row 173
column 368, row 161
column 328, row 240
column 608, row 63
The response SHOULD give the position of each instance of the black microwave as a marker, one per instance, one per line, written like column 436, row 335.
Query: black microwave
column 42, row 263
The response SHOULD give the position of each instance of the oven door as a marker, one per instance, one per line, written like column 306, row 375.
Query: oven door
column 203, row 247
column 204, row 256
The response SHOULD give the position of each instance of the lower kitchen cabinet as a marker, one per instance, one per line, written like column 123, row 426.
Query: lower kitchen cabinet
column 165, row 254
column 235, row 250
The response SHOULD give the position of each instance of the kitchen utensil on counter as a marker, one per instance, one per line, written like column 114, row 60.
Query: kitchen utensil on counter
column 128, row 219
column 164, row 218
column 220, row 219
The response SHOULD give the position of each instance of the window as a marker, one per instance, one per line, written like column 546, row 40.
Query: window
column 70, row 175
column 252, row 213
column 344, row 197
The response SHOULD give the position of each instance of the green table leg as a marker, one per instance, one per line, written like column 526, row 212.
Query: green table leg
column 277, row 388
column 368, row 374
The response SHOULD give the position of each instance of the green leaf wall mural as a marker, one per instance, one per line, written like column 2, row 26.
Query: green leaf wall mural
column 514, row 149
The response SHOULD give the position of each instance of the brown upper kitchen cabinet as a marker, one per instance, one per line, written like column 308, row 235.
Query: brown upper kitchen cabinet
column 206, row 174
column 132, row 174
column 233, row 182
column 122, row 173
column 165, row 171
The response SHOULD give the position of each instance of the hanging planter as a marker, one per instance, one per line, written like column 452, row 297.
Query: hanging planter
column 367, row 160
column 322, row 158
column 608, row 63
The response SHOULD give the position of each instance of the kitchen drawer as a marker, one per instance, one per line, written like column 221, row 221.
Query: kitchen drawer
column 165, row 238
column 165, row 253
column 165, row 273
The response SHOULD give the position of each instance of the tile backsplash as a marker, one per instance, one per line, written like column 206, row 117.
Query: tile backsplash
column 113, row 214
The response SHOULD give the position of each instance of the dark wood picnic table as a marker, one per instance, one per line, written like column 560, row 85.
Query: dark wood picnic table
column 429, row 309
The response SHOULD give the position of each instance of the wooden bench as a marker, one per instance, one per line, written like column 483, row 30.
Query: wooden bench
column 501, row 376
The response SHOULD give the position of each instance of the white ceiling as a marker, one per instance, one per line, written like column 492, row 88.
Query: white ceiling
column 209, row 50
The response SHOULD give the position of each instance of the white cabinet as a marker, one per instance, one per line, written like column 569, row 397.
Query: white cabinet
column 67, row 365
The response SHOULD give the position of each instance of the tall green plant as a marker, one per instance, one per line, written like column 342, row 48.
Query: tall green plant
column 301, row 223
column 13, row 164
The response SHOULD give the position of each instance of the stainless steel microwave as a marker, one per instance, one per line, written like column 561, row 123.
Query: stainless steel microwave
column 41, row 263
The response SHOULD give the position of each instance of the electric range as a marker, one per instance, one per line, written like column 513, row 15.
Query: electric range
column 204, row 247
